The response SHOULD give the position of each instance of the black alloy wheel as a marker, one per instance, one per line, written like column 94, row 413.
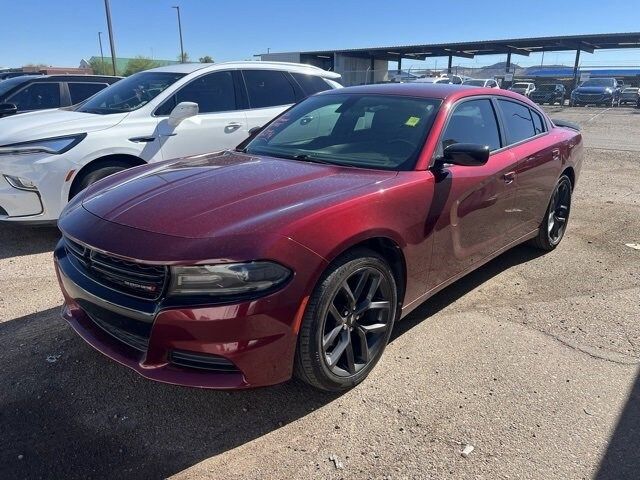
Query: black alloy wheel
column 356, row 323
column 554, row 224
column 348, row 322
column 559, row 212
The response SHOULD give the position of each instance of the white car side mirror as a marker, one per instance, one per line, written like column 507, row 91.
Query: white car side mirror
column 182, row 111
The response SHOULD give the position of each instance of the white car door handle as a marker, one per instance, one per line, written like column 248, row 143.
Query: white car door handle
column 232, row 127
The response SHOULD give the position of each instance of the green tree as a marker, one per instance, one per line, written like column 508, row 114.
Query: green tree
column 206, row 59
column 101, row 68
column 138, row 64
column 184, row 59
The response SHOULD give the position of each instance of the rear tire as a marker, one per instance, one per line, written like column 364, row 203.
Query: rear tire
column 96, row 172
column 554, row 224
column 347, row 323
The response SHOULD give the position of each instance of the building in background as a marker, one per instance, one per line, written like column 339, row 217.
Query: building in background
column 371, row 65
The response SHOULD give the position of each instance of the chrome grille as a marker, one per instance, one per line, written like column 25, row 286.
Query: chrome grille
column 131, row 278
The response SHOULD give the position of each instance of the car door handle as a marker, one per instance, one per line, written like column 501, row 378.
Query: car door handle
column 509, row 177
column 232, row 127
column 555, row 154
column 142, row 139
column 167, row 135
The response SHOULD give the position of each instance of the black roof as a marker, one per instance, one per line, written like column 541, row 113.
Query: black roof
column 518, row 46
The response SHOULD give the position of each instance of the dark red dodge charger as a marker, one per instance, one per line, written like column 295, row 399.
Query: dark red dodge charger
column 297, row 252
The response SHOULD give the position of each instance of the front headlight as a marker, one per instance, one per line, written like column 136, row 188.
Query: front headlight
column 608, row 90
column 227, row 279
column 54, row 146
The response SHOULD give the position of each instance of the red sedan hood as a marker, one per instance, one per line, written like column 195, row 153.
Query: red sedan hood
column 224, row 193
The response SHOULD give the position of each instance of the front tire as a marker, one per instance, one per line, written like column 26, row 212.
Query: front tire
column 551, row 230
column 348, row 322
column 96, row 172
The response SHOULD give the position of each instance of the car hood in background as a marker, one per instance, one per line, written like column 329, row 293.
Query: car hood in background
column 591, row 89
column 226, row 193
column 53, row 123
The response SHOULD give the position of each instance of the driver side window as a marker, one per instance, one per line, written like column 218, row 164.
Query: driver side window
column 473, row 121
column 214, row 92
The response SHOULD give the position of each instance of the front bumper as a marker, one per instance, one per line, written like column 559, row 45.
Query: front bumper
column 591, row 99
column 247, row 344
column 17, row 204
column 48, row 172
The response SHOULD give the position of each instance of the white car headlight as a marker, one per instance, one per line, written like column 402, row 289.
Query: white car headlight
column 54, row 146
column 227, row 279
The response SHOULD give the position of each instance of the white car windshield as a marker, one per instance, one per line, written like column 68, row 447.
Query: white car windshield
column 129, row 94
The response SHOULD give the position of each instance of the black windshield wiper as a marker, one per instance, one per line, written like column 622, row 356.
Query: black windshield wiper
column 303, row 157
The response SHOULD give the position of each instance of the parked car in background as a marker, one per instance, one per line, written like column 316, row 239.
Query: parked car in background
column 6, row 75
column 289, row 255
column 629, row 95
column 402, row 77
column 597, row 91
column 436, row 80
column 27, row 93
column 523, row 88
column 549, row 93
column 457, row 79
column 47, row 157
column 479, row 82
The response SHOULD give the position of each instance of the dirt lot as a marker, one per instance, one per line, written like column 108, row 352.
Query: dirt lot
column 534, row 360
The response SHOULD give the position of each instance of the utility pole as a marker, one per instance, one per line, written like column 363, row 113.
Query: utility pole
column 100, row 42
column 182, row 59
column 107, row 8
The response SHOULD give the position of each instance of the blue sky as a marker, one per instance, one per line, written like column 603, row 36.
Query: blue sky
column 63, row 32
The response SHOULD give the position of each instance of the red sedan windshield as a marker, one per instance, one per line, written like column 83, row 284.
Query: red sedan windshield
column 370, row 131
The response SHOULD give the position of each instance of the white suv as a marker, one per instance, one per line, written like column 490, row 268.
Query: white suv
column 49, row 156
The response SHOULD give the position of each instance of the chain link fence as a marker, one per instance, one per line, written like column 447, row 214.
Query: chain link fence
column 563, row 74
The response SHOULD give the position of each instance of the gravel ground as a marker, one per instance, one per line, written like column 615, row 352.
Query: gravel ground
column 533, row 360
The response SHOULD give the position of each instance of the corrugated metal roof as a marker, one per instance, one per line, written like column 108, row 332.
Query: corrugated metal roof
column 525, row 46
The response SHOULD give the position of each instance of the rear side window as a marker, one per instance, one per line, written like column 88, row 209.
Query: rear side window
column 213, row 93
column 37, row 96
column 268, row 88
column 519, row 123
column 538, row 123
column 473, row 121
column 82, row 91
column 310, row 83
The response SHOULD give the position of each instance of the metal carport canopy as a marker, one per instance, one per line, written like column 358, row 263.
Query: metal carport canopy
column 516, row 46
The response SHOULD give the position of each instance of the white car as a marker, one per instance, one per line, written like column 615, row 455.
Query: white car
column 444, row 80
column 523, row 88
column 49, row 156
column 481, row 82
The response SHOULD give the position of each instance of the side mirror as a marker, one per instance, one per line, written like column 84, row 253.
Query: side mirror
column 7, row 109
column 466, row 154
column 252, row 134
column 183, row 111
